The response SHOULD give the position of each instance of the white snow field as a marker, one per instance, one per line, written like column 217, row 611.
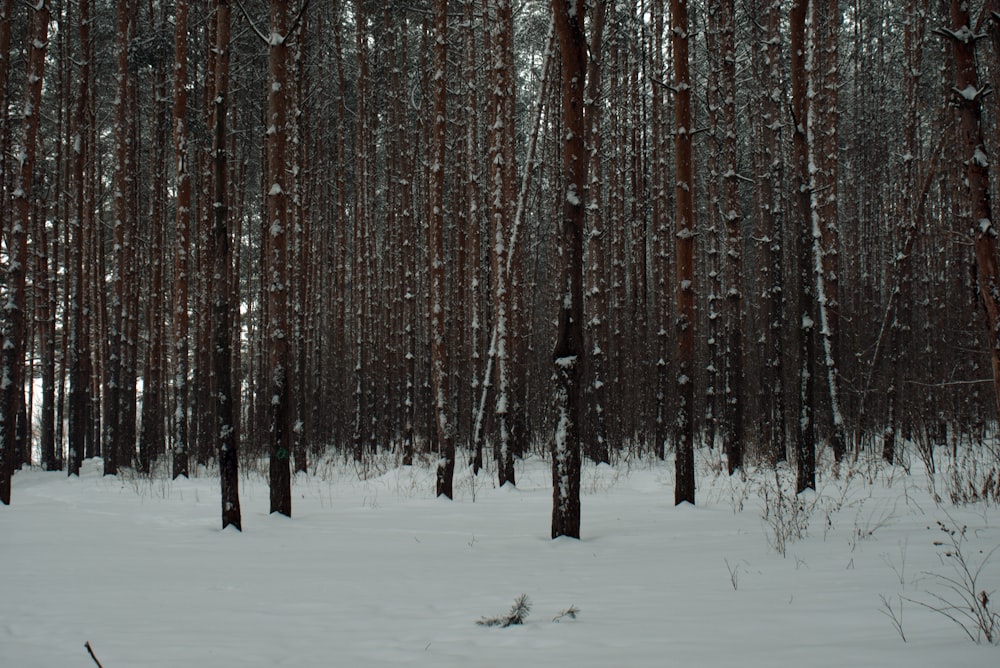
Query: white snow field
column 377, row 572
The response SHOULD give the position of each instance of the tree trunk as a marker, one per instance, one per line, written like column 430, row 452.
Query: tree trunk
column 181, row 244
column 79, row 345
column 805, row 449
column 684, row 485
column 822, row 128
column 439, row 310
column 502, row 201
column 734, row 376
column 569, row 349
column 17, row 249
column 276, row 230
column 968, row 98
column 222, row 258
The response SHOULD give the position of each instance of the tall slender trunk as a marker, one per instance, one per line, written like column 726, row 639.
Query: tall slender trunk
column 276, row 229
column 805, row 449
column 439, row 310
column 79, row 345
column 822, row 129
column 17, row 249
column 502, row 191
column 569, row 16
column 597, row 298
column 734, row 384
column 968, row 98
column 684, row 485
column 181, row 244
column 151, row 432
column 220, row 250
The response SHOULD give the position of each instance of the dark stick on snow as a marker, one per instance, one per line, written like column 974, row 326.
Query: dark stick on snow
column 90, row 650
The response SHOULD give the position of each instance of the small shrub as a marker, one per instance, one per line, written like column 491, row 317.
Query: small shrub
column 962, row 598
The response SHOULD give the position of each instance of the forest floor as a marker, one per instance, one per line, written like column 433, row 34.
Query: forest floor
column 377, row 572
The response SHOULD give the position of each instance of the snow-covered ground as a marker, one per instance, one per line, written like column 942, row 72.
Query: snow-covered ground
column 376, row 572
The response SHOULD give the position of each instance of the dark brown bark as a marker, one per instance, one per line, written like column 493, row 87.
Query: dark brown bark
column 735, row 379
column 824, row 115
column 805, row 448
column 439, row 310
column 220, row 251
column 277, row 232
column 684, row 485
column 14, row 333
column 968, row 98
column 182, row 159
column 569, row 16
column 120, row 373
column 80, row 405
column 152, row 426
column 502, row 200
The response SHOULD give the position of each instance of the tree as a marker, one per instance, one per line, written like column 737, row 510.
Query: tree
column 805, row 449
column 14, row 339
column 502, row 202
column 226, row 428
column 824, row 82
column 120, row 372
column 968, row 98
column 439, row 312
column 735, row 380
column 276, row 233
column 569, row 17
column 684, row 249
column 152, row 436
column 80, row 405
column 182, row 160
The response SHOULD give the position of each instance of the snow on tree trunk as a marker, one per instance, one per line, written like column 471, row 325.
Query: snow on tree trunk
column 439, row 315
column 805, row 449
column 220, row 250
column 684, row 485
column 569, row 348
column 182, row 159
column 968, row 98
column 276, row 232
column 14, row 344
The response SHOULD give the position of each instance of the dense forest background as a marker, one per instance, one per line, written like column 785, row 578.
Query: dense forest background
column 340, row 224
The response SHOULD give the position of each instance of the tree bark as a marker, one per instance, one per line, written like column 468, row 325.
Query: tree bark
column 182, row 159
column 220, row 250
column 276, row 231
column 805, row 448
column 502, row 201
column 439, row 310
column 968, row 96
column 569, row 349
column 684, row 485
column 14, row 333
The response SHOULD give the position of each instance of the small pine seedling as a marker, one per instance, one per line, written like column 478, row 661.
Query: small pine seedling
column 571, row 612
column 518, row 613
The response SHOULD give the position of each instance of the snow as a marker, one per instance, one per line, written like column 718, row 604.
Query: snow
column 377, row 572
